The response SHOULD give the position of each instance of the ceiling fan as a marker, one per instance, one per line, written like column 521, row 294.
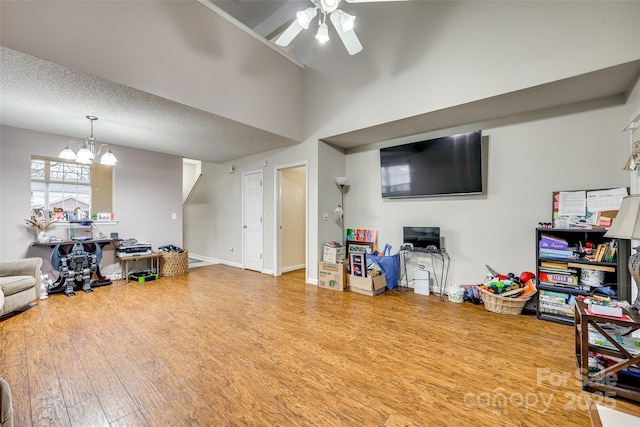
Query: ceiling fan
column 341, row 20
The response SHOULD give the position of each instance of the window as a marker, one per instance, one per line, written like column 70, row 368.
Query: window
column 60, row 184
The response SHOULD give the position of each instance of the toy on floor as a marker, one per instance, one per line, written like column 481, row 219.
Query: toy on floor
column 76, row 266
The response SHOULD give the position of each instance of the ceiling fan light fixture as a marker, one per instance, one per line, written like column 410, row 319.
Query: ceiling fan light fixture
column 323, row 33
column 346, row 21
column 329, row 6
column 305, row 17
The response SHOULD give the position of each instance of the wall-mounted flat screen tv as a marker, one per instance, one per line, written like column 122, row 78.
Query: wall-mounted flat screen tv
column 450, row 165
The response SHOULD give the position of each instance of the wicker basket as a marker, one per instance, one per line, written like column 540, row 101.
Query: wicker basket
column 504, row 305
column 174, row 263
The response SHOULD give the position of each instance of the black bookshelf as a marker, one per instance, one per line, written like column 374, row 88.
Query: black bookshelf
column 617, row 276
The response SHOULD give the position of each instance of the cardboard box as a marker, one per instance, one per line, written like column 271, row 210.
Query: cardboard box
column 367, row 285
column 332, row 275
column 331, row 254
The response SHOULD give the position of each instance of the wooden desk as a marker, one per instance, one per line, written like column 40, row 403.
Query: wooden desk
column 601, row 380
column 154, row 259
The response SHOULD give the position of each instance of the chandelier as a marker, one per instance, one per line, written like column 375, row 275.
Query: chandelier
column 87, row 152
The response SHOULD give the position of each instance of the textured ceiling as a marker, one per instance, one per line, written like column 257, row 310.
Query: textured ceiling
column 47, row 97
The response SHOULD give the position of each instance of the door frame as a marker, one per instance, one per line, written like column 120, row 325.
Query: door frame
column 244, row 176
column 277, row 238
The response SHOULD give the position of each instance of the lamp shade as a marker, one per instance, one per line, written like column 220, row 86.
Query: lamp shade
column 342, row 180
column 304, row 17
column 323, row 33
column 346, row 21
column 84, row 154
column 108, row 159
column 68, row 153
column 626, row 224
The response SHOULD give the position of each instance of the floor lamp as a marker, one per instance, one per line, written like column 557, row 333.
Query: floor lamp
column 341, row 181
column 626, row 225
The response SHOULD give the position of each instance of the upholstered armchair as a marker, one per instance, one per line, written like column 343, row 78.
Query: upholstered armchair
column 6, row 406
column 19, row 283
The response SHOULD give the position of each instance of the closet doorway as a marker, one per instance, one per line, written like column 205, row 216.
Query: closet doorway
column 291, row 233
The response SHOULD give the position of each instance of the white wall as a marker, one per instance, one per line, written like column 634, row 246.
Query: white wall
column 526, row 163
column 458, row 52
column 191, row 170
column 332, row 164
column 213, row 217
column 179, row 50
column 147, row 190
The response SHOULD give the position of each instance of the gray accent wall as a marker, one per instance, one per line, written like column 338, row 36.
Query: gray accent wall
column 147, row 190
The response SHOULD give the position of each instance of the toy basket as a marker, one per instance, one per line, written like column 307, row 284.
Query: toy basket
column 174, row 263
column 504, row 305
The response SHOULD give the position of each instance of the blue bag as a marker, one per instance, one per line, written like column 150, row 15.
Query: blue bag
column 389, row 264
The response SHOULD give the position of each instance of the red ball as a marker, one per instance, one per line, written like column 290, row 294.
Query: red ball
column 526, row 276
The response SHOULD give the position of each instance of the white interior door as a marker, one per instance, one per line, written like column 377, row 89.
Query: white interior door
column 252, row 221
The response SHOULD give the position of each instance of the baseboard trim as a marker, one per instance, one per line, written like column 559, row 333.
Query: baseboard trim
column 204, row 258
column 293, row 268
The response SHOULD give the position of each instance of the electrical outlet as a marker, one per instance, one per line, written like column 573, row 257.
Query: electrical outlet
column 174, row 216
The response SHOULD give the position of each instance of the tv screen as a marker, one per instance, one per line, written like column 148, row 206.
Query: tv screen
column 421, row 237
column 436, row 167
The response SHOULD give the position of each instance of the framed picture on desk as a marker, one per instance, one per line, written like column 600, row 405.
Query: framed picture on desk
column 358, row 264
column 84, row 214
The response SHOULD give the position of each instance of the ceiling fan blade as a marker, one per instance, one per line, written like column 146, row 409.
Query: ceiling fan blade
column 370, row 1
column 349, row 38
column 289, row 34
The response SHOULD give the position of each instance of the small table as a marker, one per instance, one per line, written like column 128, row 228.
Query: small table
column 154, row 259
column 440, row 275
column 598, row 380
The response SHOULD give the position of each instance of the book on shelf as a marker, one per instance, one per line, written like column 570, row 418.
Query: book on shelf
column 560, row 295
column 567, row 279
column 606, row 252
column 552, row 264
column 552, row 300
column 590, row 266
column 556, row 253
column 555, row 312
column 554, row 306
column 552, row 242
column 558, row 270
column 578, row 287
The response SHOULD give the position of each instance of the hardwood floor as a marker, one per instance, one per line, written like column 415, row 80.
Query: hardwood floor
column 221, row 346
